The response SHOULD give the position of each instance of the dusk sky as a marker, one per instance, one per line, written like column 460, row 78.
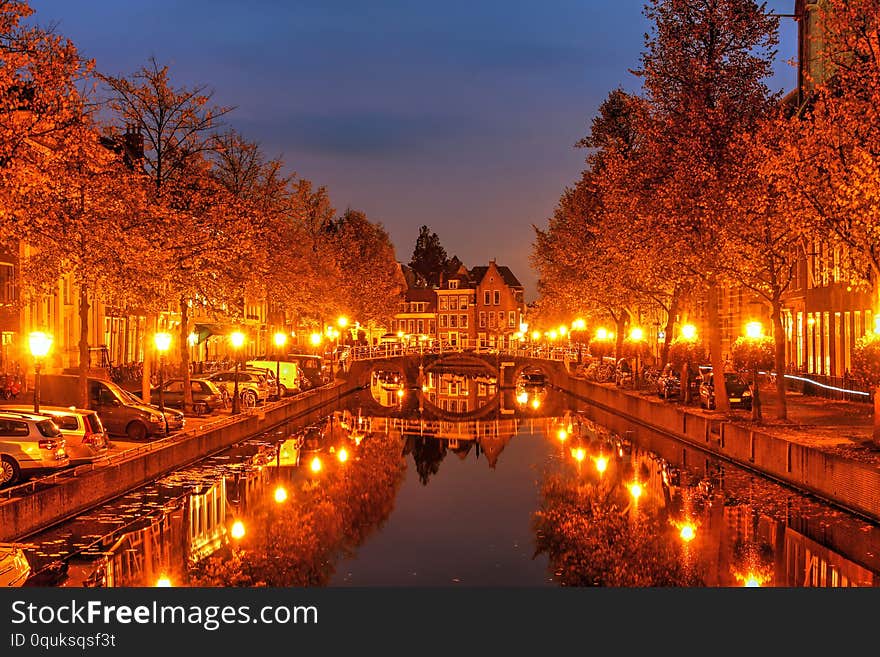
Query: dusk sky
column 460, row 115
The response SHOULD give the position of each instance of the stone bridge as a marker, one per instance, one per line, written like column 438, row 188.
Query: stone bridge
column 412, row 368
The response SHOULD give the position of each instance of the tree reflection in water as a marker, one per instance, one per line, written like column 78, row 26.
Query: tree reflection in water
column 594, row 534
column 427, row 455
column 299, row 542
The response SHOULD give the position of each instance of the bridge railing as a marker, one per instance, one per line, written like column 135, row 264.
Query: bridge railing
column 393, row 350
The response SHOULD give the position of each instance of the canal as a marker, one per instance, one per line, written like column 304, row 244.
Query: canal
column 459, row 484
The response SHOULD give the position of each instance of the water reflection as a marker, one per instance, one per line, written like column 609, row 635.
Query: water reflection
column 521, row 495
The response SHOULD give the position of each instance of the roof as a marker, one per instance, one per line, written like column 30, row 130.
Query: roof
column 478, row 273
column 421, row 294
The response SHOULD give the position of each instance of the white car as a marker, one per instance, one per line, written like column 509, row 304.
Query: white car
column 29, row 445
column 84, row 435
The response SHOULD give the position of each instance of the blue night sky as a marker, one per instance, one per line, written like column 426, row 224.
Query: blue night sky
column 460, row 115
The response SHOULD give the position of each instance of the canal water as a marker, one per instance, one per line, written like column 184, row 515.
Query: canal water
column 459, row 484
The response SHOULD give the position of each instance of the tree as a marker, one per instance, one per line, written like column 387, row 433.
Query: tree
column 685, row 354
column 866, row 368
column 177, row 125
column 703, row 70
column 828, row 164
column 429, row 258
column 753, row 354
column 78, row 221
column 367, row 266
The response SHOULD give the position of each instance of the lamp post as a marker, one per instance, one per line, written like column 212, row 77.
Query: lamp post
column 40, row 343
column 162, row 342
column 280, row 341
column 237, row 341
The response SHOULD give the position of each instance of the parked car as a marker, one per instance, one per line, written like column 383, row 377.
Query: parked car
column 204, row 393
column 121, row 412
column 739, row 392
column 30, row 445
column 252, row 387
column 85, row 437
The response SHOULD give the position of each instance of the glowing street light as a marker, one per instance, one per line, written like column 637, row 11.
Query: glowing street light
column 689, row 331
column 40, row 343
column 754, row 330
column 636, row 334
column 237, row 531
column 536, row 335
column 578, row 325
column 563, row 330
column 342, row 322
column 601, row 334
column 342, row 455
column 316, row 465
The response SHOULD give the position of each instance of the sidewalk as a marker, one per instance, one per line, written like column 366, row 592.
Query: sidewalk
column 840, row 427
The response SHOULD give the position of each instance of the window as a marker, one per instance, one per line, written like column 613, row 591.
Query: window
column 500, row 318
column 421, row 325
column 463, row 302
column 511, row 319
column 66, row 422
column 497, row 295
column 412, row 326
column 462, row 321
column 13, row 428
column 443, row 321
column 174, row 386
column 491, row 320
column 482, row 319
column 7, row 283
column 453, row 303
column 432, row 328
column 453, row 321
column 444, row 305
column 453, row 284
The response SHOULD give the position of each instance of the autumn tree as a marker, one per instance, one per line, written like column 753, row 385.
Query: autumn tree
column 40, row 96
column 368, row 274
column 79, row 221
column 703, row 71
column 177, row 125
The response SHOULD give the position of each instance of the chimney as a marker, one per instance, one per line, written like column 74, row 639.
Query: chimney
column 133, row 144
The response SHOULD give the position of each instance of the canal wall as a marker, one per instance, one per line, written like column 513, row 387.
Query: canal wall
column 849, row 484
column 88, row 486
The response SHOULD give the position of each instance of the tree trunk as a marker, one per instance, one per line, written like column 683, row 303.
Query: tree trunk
column 756, row 397
column 667, row 331
column 618, row 342
column 685, row 378
column 83, row 383
column 184, row 355
column 149, row 331
column 714, row 329
column 877, row 416
column 779, row 340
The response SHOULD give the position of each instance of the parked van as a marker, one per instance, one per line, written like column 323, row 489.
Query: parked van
column 288, row 374
column 121, row 413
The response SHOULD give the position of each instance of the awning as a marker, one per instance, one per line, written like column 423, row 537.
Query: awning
column 205, row 331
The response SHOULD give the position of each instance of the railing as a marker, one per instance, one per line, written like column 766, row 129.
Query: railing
column 829, row 387
column 392, row 350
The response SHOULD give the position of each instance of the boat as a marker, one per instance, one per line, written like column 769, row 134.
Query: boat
column 14, row 566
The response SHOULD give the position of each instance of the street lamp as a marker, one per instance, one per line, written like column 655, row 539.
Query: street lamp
column 237, row 341
column 280, row 341
column 162, row 342
column 40, row 343
column 688, row 331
